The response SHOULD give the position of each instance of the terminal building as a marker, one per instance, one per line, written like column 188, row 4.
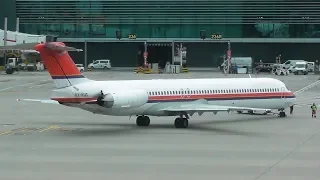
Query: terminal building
column 258, row 29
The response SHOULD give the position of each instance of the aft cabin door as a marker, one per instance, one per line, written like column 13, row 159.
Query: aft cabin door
column 283, row 92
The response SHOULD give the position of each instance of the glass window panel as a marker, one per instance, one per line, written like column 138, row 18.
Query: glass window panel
column 143, row 31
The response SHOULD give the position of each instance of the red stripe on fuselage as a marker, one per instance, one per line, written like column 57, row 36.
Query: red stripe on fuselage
column 57, row 64
column 218, row 96
column 192, row 97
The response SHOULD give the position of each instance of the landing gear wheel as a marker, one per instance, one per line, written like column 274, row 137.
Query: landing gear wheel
column 282, row 114
column 181, row 123
column 143, row 121
column 239, row 112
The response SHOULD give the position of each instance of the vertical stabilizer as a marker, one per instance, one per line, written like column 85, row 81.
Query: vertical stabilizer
column 59, row 64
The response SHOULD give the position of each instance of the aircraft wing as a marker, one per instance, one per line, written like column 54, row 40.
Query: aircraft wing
column 201, row 106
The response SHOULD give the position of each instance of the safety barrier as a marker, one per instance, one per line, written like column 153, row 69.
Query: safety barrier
column 142, row 70
column 185, row 70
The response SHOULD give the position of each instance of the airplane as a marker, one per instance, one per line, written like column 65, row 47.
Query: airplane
column 160, row 97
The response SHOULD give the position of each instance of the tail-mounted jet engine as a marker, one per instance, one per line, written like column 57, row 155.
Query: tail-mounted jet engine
column 123, row 99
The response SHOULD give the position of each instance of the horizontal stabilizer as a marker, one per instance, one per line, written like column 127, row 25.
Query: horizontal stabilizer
column 55, row 46
column 25, row 46
column 41, row 101
column 58, row 47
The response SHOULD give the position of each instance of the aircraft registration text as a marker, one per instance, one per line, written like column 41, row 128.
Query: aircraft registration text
column 80, row 94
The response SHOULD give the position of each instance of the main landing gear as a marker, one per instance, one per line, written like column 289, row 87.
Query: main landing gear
column 179, row 122
column 282, row 113
column 182, row 122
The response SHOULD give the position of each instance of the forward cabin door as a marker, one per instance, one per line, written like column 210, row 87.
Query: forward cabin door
column 283, row 92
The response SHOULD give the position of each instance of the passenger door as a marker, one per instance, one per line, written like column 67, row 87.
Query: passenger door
column 283, row 92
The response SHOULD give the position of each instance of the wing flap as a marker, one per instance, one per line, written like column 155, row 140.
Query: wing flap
column 204, row 107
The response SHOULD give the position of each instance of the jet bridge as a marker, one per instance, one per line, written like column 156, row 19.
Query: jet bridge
column 21, row 41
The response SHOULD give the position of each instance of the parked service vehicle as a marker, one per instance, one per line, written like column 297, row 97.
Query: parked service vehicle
column 100, row 64
column 12, row 66
column 300, row 68
column 310, row 66
column 240, row 62
column 80, row 67
column 290, row 63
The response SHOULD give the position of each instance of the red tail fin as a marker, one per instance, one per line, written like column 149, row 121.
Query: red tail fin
column 59, row 64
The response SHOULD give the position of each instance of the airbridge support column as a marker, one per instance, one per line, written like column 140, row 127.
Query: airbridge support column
column 5, row 35
column 17, row 24
column 229, row 58
column 145, row 55
column 85, row 56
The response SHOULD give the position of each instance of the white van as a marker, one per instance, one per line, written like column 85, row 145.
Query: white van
column 300, row 68
column 100, row 64
column 290, row 63
column 80, row 67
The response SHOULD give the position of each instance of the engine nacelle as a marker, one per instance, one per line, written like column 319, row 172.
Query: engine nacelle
column 125, row 99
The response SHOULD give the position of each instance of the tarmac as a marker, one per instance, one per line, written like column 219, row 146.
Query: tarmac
column 51, row 142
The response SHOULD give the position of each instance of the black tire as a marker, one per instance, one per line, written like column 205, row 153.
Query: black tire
column 9, row 71
column 184, row 123
column 181, row 123
column 146, row 121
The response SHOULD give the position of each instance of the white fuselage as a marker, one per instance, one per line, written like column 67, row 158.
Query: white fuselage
column 265, row 93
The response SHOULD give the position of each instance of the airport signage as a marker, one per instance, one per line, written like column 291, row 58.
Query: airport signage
column 132, row 36
column 216, row 36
